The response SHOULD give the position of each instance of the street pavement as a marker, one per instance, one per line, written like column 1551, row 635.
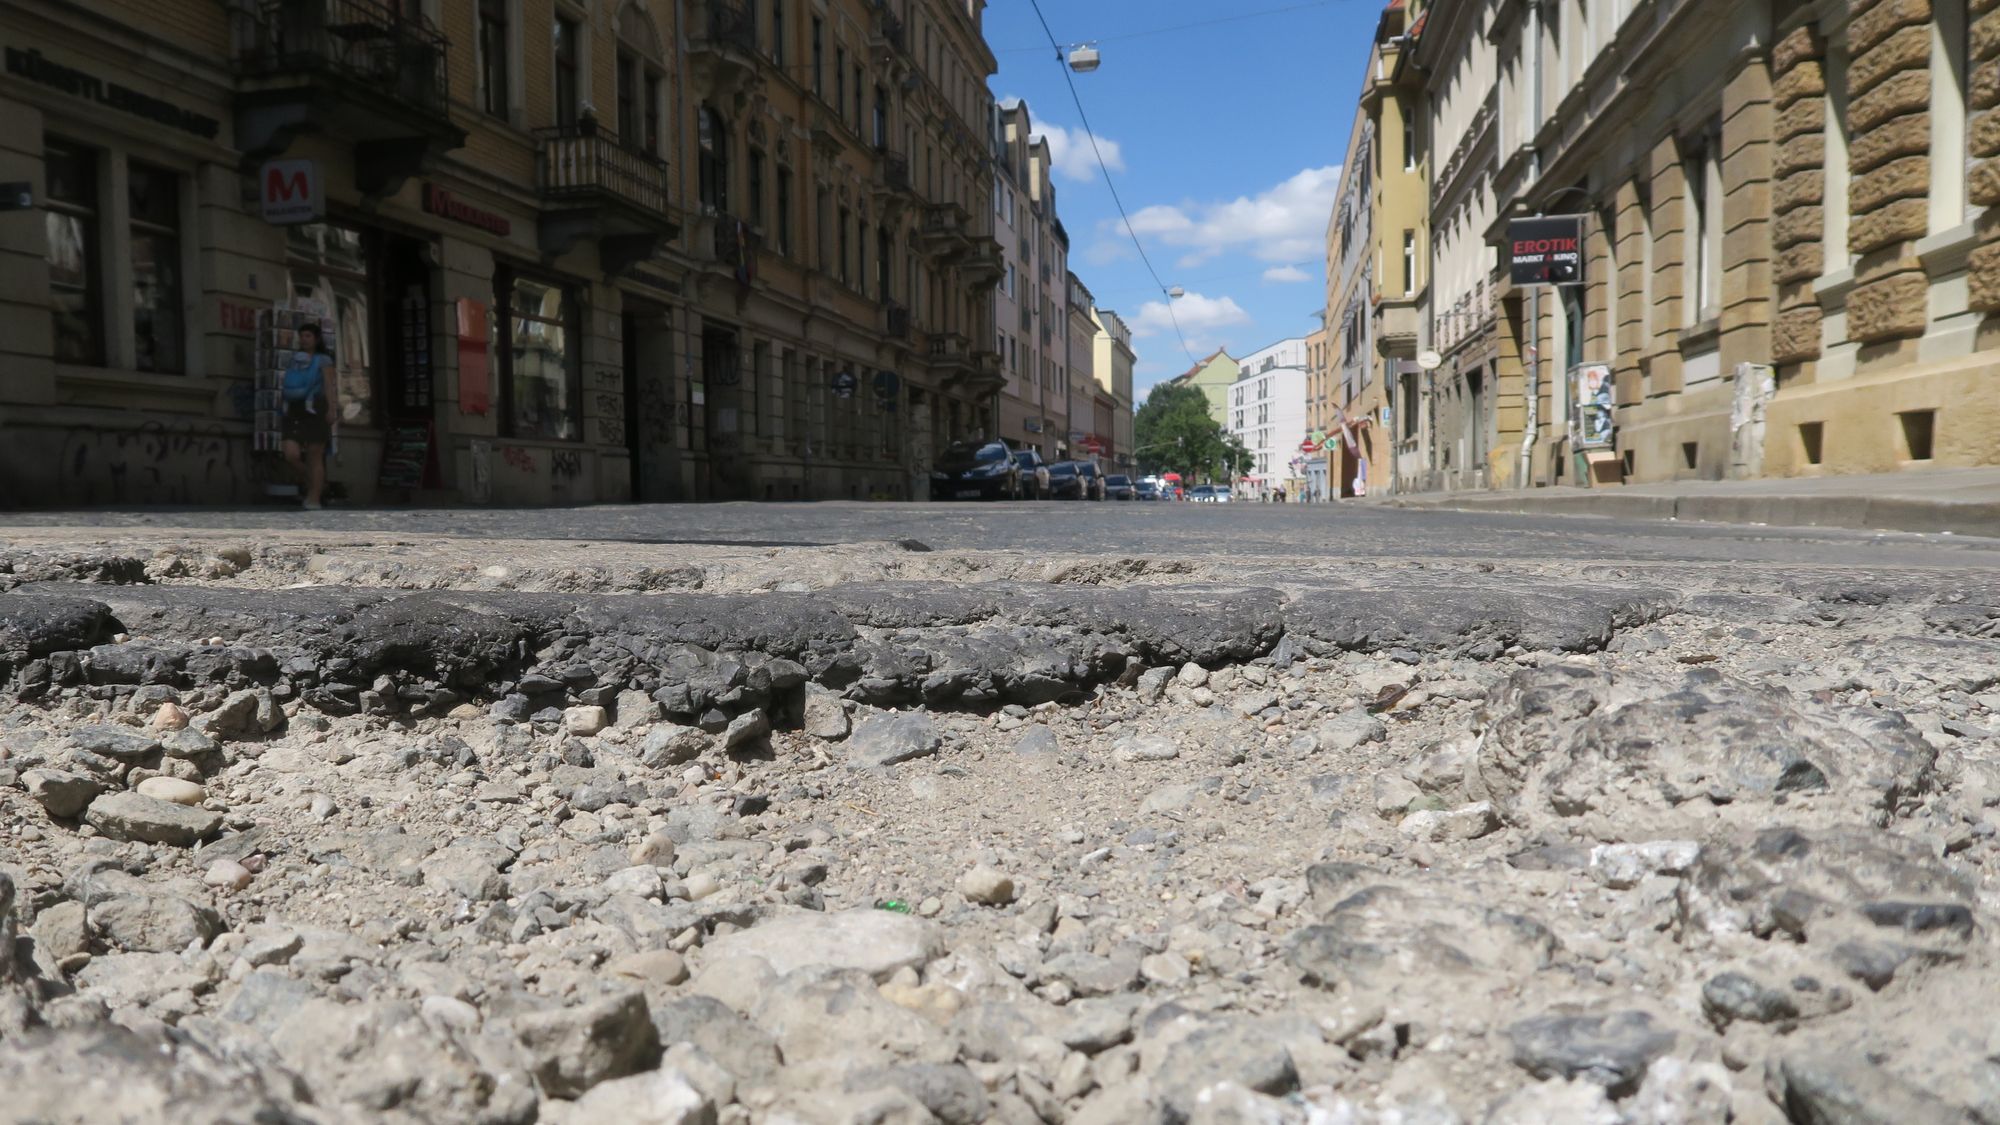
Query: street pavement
column 1327, row 531
column 1003, row 813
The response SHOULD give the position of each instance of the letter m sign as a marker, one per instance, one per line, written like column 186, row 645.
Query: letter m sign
column 290, row 191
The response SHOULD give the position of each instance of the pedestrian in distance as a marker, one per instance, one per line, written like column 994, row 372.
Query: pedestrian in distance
column 312, row 403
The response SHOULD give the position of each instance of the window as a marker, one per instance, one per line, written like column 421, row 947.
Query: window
column 1409, row 142
column 1948, row 109
column 784, row 207
column 840, row 79
column 341, row 268
column 854, row 111
column 884, row 247
column 819, row 57
column 566, row 72
column 1409, row 262
column 840, row 269
column 823, row 229
column 1702, row 286
column 756, row 188
column 651, row 141
column 712, row 163
column 861, row 258
column 778, row 32
column 543, row 381
column 1834, row 212
column 493, row 33
column 75, row 293
column 881, row 118
column 159, row 337
column 630, row 131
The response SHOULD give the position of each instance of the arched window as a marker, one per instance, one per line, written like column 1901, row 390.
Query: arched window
column 712, row 159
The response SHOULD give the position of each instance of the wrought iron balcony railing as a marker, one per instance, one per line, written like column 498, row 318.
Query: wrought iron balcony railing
column 372, row 44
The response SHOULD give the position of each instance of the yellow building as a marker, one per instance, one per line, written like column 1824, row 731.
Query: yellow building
column 567, row 253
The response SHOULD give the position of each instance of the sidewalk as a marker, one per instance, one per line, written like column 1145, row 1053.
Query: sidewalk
column 1960, row 501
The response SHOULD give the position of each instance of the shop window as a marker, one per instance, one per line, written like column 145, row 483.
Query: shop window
column 712, row 163
column 158, row 322
column 566, row 52
column 337, row 266
column 542, row 378
column 76, row 296
column 493, row 61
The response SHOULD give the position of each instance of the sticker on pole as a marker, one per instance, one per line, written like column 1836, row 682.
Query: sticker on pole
column 1545, row 250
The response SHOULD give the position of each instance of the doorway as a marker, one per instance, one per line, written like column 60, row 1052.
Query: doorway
column 653, row 412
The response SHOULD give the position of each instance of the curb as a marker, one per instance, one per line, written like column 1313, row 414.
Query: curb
column 1850, row 512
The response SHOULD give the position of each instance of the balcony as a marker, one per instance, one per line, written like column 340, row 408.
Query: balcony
column 722, row 46
column 357, row 70
column 592, row 187
column 1396, row 324
column 728, row 245
column 984, row 266
column 943, row 230
column 887, row 29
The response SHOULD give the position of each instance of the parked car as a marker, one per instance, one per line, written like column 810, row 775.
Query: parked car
column 1118, row 486
column 1149, row 489
column 1209, row 494
column 1093, row 479
column 1065, row 483
column 1034, row 474
column 976, row 472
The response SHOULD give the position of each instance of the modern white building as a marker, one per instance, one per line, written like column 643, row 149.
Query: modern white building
column 1267, row 411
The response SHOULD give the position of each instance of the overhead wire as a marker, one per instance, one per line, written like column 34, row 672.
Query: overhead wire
column 1239, row 17
column 1123, row 217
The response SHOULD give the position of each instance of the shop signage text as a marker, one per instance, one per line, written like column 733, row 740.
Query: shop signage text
column 1546, row 250
column 290, row 191
column 32, row 66
column 438, row 201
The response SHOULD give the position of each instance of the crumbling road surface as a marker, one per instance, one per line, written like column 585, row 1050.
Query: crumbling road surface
column 1093, row 813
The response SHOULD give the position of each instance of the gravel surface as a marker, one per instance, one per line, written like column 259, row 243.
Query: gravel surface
column 371, row 823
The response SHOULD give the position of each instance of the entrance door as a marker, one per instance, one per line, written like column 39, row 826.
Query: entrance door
column 722, row 379
column 654, row 411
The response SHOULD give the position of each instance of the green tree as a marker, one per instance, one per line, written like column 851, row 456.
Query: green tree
column 1174, row 432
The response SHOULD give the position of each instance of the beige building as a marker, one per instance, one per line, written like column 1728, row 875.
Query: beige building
column 567, row 252
column 1787, row 260
column 1032, row 311
column 1111, row 365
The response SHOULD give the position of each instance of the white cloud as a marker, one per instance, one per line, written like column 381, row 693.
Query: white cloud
column 1071, row 156
column 1202, row 322
column 1286, row 275
column 1284, row 224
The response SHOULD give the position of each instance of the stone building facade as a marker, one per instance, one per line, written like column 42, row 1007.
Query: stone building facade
column 571, row 251
column 1790, row 268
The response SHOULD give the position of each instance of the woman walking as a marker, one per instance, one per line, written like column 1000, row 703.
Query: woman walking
column 312, row 403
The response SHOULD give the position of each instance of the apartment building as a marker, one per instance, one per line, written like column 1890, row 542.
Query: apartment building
column 1446, row 438
column 1213, row 376
column 1092, row 433
column 1032, row 307
column 564, row 252
column 1789, row 268
column 1351, row 289
column 1111, row 364
column 1267, row 412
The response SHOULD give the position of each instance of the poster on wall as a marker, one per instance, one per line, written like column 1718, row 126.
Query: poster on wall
column 1590, row 409
column 474, row 378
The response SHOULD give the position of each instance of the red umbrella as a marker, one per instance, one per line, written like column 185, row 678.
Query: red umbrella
column 1170, row 476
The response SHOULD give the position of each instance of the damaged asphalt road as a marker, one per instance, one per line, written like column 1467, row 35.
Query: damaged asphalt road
column 1279, row 815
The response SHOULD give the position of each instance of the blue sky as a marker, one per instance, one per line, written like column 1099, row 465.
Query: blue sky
column 1225, row 142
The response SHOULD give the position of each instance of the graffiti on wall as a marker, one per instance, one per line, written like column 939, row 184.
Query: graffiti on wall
column 518, row 459
column 565, row 464
column 156, row 463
